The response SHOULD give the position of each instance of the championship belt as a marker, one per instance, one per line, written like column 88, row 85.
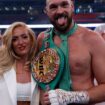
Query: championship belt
column 47, row 67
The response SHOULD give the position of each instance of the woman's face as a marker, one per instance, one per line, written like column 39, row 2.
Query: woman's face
column 21, row 42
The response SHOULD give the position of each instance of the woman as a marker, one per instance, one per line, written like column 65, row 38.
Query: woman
column 17, row 86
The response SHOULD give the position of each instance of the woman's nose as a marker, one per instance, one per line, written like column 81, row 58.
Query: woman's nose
column 20, row 41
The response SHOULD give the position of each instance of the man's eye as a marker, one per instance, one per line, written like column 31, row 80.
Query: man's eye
column 64, row 5
column 52, row 7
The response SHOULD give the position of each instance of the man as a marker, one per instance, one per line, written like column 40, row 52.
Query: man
column 84, row 58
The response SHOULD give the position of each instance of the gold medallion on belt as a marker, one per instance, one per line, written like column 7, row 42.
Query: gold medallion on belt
column 46, row 65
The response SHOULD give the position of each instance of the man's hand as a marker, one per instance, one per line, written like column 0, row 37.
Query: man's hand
column 62, row 97
column 44, row 98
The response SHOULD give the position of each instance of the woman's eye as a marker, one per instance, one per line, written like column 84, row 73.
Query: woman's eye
column 25, row 37
column 14, row 39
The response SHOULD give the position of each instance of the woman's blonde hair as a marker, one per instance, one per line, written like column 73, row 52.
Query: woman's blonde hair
column 7, row 54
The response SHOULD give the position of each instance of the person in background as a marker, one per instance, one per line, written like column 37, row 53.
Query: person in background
column 101, row 30
column 83, row 52
column 16, row 52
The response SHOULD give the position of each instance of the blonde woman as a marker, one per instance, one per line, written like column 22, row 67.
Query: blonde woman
column 17, row 86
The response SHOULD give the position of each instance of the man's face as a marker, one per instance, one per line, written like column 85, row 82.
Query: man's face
column 60, row 13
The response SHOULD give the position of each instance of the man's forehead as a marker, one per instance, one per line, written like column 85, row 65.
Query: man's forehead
column 55, row 0
column 47, row 1
column 52, row 0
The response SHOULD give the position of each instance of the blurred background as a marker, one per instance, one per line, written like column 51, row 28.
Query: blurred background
column 87, row 12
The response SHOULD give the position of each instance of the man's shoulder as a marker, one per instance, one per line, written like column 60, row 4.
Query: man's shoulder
column 46, row 30
column 87, row 32
column 43, row 34
column 88, row 36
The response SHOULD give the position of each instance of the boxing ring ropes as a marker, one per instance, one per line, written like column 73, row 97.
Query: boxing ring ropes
column 49, row 25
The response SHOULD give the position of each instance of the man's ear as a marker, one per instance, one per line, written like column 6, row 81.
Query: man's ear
column 72, row 5
column 45, row 11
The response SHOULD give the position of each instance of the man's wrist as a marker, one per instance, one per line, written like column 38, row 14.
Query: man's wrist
column 66, row 97
column 81, row 97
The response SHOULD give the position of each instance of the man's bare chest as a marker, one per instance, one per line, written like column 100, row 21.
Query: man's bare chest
column 79, row 55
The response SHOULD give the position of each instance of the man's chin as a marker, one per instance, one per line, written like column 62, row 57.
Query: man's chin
column 61, row 28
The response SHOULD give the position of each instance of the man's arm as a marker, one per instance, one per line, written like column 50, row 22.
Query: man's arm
column 39, row 41
column 97, row 50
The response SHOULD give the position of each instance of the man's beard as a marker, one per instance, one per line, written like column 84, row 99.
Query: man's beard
column 63, row 28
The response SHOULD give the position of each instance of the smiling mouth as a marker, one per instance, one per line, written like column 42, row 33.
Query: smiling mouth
column 21, row 48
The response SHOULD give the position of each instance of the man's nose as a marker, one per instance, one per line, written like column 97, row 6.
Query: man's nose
column 60, row 9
